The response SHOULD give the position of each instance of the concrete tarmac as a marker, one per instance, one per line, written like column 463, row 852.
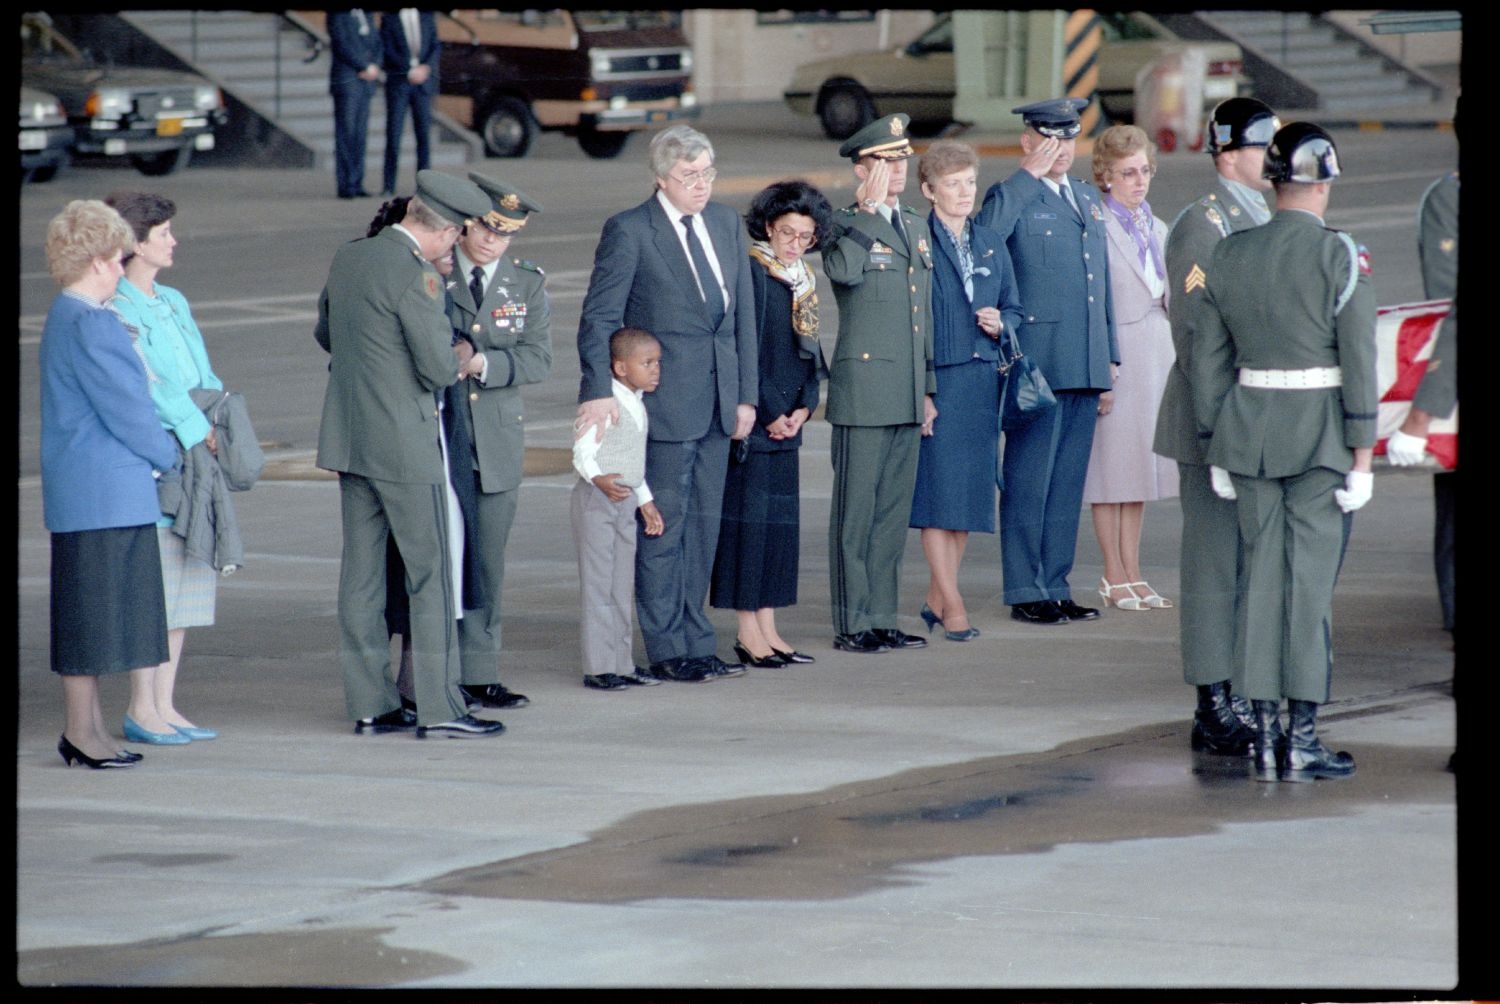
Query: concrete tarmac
column 1021, row 811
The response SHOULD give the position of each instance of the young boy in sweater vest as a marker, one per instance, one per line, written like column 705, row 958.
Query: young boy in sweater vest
column 611, row 486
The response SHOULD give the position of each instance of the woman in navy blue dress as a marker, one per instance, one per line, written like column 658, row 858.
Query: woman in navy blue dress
column 973, row 300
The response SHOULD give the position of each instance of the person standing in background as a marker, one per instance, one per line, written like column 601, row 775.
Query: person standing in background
column 355, row 53
column 410, row 48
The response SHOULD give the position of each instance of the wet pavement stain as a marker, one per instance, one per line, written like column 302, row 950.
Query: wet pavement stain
column 331, row 957
column 857, row 838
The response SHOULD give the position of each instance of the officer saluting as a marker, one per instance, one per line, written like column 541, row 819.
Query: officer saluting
column 1289, row 306
column 1237, row 134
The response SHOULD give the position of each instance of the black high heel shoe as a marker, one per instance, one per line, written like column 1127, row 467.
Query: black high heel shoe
column 772, row 661
column 71, row 753
column 801, row 658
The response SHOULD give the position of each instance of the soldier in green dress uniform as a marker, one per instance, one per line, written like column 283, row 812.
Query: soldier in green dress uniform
column 1283, row 381
column 1237, row 133
column 880, row 387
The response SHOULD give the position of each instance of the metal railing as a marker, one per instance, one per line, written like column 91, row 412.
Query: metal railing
column 283, row 23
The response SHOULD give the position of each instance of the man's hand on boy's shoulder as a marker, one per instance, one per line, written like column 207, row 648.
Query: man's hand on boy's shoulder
column 652, row 518
column 610, row 485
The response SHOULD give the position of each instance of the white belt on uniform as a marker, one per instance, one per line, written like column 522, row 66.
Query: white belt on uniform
column 1315, row 378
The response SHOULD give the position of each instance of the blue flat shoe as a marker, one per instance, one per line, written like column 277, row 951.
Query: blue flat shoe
column 196, row 732
column 134, row 733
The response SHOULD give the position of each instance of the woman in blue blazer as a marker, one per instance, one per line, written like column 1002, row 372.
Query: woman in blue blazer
column 176, row 359
column 102, row 450
column 974, row 299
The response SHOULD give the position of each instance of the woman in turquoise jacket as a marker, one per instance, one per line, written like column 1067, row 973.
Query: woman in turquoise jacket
column 176, row 361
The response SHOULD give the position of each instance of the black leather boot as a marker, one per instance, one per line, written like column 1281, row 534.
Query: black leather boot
column 1269, row 747
column 1307, row 758
column 1215, row 727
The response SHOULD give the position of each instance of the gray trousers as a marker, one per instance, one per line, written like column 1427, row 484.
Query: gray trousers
column 604, row 537
column 416, row 515
column 1294, row 539
column 874, row 475
column 479, row 630
column 1212, row 563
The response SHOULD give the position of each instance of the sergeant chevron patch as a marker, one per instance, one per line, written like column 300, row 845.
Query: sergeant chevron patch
column 1195, row 280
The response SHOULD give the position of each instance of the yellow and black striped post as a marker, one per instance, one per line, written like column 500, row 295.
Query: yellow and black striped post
column 1082, row 37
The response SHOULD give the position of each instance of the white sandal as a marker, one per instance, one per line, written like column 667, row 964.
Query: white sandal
column 1131, row 602
column 1152, row 598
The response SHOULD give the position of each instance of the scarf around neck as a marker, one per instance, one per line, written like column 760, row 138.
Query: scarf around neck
column 1137, row 223
column 803, row 284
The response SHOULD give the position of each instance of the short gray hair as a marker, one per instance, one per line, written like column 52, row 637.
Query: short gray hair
column 425, row 216
column 678, row 142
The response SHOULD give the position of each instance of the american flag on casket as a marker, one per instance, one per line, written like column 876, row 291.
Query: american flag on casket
column 1404, row 337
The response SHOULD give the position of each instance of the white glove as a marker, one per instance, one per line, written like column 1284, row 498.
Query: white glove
column 1223, row 487
column 1403, row 450
column 1358, row 487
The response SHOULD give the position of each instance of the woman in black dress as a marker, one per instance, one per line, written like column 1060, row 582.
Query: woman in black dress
column 755, row 567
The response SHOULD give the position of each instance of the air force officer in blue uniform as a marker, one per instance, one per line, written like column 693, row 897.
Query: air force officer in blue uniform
column 1054, row 228
column 355, row 54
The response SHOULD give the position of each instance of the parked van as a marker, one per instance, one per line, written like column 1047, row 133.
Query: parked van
column 598, row 75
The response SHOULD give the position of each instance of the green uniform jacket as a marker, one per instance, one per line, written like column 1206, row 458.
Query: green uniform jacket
column 1437, row 246
column 381, row 317
column 1190, row 246
column 1289, row 295
column 882, row 364
column 513, row 328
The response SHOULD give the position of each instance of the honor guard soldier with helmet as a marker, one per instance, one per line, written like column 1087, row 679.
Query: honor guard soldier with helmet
column 499, row 306
column 1283, row 381
column 1053, row 226
column 880, row 387
column 1237, row 134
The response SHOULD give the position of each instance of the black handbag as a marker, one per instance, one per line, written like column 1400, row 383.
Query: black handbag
column 1026, row 394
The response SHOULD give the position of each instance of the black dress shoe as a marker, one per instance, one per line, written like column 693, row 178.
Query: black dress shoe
column 605, row 681
column 893, row 638
column 1038, row 612
column 492, row 695
column 772, row 661
column 640, row 678
column 1073, row 612
column 860, row 641
column 794, row 656
column 399, row 720
column 713, row 666
column 466, row 727
column 679, row 671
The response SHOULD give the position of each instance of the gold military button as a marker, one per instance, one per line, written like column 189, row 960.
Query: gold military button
column 917, row 328
column 474, row 396
column 434, row 413
column 915, row 309
column 914, row 289
column 910, row 269
column 882, row 268
column 476, row 329
column 865, row 355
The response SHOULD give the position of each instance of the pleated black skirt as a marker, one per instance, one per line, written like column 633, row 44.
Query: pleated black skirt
column 756, row 563
column 109, row 610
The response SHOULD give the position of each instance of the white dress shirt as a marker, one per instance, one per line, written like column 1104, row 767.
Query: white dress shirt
column 674, row 216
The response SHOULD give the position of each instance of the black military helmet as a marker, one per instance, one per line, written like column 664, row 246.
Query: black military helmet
column 1301, row 152
column 1237, row 122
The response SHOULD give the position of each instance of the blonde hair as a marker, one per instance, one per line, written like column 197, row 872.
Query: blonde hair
column 1114, row 145
column 86, row 229
column 945, row 157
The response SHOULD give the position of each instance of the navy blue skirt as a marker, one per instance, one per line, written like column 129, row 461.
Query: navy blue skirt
column 756, row 563
column 956, row 467
column 109, row 610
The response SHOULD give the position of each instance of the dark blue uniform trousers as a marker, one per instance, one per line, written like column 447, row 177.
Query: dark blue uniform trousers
column 1044, row 468
column 672, row 572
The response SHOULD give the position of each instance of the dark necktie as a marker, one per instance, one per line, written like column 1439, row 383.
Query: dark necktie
column 476, row 285
column 898, row 227
column 713, row 296
column 1067, row 194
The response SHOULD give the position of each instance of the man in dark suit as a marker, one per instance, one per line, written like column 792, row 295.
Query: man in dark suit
column 499, row 306
column 355, row 54
column 410, row 45
column 677, row 266
column 381, row 319
column 1054, row 228
column 880, row 387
